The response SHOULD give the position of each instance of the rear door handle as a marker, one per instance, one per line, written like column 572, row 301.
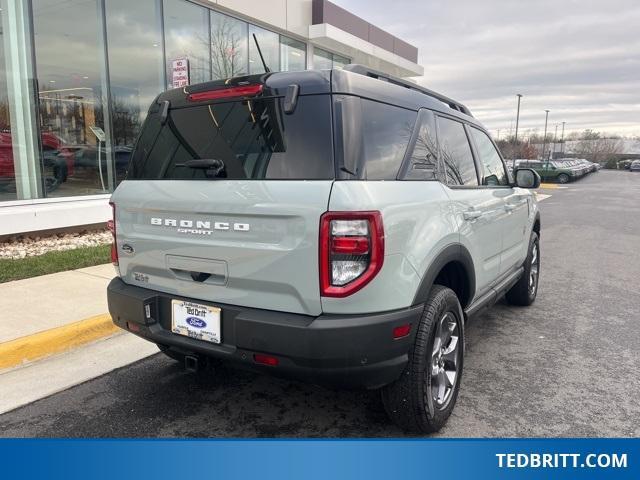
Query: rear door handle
column 472, row 214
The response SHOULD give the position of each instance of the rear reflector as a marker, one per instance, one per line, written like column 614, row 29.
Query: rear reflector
column 111, row 226
column 402, row 331
column 134, row 327
column 265, row 360
column 241, row 91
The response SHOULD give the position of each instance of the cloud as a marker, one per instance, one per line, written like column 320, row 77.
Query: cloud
column 579, row 59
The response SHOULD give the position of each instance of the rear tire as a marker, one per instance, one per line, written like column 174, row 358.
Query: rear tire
column 422, row 399
column 524, row 292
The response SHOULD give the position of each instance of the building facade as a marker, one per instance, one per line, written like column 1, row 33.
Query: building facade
column 77, row 77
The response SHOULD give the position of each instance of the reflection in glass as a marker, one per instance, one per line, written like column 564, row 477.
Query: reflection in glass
column 278, row 146
column 270, row 47
column 186, row 28
column 292, row 55
column 133, row 30
column 7, row 169
column 69, row 59
column 494, row 171
column 322, row 60
column 228, row 46
column 456, row 153
column 386, row 131
column 340, row 62
column 424, row 158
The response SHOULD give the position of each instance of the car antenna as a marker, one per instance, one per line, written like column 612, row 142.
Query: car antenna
column 264, row 64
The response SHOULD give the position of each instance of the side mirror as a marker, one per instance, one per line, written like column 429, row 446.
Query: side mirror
column 527, row 178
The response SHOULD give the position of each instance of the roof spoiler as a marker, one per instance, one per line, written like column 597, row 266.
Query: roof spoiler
column 368, row 72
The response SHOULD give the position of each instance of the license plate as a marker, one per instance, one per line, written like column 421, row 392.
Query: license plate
column 197, row 321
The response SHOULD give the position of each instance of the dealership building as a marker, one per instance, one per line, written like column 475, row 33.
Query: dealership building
column 77, row 77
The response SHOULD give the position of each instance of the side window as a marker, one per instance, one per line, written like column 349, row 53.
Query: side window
column 386, row 131
column 423, row 163
column 455, row 153
column 494, row 171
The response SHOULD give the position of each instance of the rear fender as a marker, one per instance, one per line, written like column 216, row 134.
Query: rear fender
column 451, row 253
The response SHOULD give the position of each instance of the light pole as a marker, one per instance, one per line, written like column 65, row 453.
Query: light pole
column 562, row 139
column 544, row 139
column 515, row 140
column 555, row 140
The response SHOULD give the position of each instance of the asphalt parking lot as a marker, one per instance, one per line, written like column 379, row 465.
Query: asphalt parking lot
column 567, row 366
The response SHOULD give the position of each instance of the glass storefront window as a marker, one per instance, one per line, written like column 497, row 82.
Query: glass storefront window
column 70, row 67
column 323, row 60
column 134, row 37
column 186, row 29
column 71, row 142
column 270, row 47
column 293, row 54
column 7, row 168
column 229, row 37
column 340, row 62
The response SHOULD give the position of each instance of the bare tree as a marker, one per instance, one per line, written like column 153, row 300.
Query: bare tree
column 596, row 148
column 227, row 55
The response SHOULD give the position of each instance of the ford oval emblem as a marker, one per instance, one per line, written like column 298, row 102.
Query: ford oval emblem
column 196, row 322
column 126, row 248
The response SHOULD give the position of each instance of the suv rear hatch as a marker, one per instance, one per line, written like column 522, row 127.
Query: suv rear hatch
column 224, row 194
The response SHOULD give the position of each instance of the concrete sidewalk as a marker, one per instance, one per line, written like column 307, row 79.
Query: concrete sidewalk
column 41, row 303
column 55, row 332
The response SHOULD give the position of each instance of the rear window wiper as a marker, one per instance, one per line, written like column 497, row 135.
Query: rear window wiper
column 213, row 167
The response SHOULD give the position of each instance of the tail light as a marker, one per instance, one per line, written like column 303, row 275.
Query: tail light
column 351, row 251
column 239, row 91
column 111, row 226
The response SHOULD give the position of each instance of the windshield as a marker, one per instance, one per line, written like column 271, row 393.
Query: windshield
column 248, row 139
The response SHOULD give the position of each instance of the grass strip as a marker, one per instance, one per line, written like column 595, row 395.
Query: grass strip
column 52, row 262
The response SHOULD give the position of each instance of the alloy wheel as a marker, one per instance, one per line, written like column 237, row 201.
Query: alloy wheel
column 445, row 359
column 534, row 270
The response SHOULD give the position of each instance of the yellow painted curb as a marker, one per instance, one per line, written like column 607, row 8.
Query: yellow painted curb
column 41, row 344
column 548, row 185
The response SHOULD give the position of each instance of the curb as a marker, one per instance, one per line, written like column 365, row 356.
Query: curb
column 60, row 339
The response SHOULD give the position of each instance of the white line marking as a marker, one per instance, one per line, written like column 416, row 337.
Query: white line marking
column 541, row 196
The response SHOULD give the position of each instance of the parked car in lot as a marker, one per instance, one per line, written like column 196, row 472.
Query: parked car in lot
column 635, row 166
column 552, row 171
column 265, row 236
column 590, row 166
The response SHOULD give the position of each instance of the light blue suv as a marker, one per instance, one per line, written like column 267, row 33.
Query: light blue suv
column 332, row 226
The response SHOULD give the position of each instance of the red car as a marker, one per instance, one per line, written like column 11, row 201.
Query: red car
column 57, row 160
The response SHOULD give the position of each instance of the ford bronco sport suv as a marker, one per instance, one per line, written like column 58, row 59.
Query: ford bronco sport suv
column 332, row 226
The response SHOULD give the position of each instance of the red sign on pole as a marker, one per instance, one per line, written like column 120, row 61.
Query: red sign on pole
column 180, row 72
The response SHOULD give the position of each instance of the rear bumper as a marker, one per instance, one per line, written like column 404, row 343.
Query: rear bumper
column 355, row 351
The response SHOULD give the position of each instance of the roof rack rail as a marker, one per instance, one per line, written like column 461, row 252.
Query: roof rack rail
column 368, row 72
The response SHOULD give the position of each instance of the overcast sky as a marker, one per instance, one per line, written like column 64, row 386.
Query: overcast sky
column 579, row 59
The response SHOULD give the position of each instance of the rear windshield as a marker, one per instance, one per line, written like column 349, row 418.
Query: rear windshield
column 254, row 139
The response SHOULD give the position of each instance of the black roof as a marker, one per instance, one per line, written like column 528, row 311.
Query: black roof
column 352, row 80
